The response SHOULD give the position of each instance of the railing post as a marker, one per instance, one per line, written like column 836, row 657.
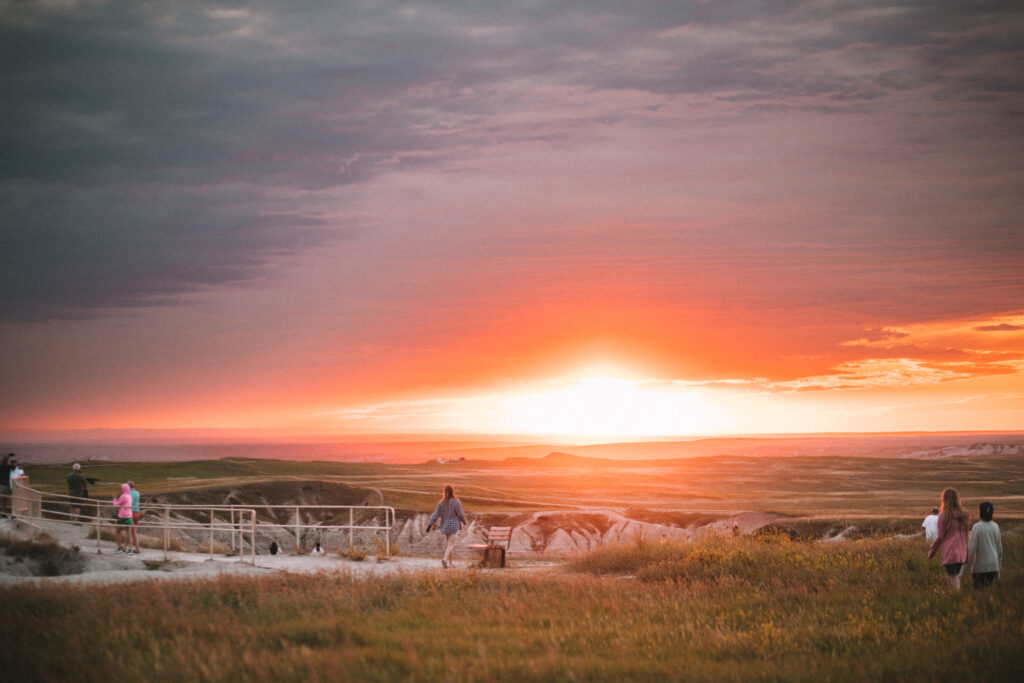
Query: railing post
column 350, row 528
column 211, row 534
column 298, row 523
column 167, row 530
column 98, row 551
column 253, row 537
column 387, row 533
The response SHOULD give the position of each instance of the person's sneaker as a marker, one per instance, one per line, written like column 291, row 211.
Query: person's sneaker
column 118, row 551
column 444, row 564
column 130, row 552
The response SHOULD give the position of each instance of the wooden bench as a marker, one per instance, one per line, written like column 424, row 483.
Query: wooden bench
column 498, row 538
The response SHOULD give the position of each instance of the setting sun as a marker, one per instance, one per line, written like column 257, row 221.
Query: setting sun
column 612, row 406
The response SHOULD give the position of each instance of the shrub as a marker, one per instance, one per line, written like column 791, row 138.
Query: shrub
column 628, row 558
column 769, row 558
column 356, row 553
column 218, row 547
column 44, row 555
column 381, row 551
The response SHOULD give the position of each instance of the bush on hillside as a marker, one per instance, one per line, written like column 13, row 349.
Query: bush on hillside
column 46, row 556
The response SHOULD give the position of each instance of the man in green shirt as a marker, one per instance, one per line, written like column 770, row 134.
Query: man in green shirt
column 76, row 489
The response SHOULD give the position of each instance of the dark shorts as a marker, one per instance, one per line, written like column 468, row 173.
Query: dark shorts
column 953, row 569
column 124, row 521
column 984, row 579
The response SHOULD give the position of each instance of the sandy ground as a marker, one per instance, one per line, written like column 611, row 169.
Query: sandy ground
column 106, row 566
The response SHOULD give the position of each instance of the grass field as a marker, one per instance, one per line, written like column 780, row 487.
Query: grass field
column 734, row 609
column 800, row 485
column 722, row 608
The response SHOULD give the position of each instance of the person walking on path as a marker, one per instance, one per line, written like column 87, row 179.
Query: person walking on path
column 953, row 525
column 123, row 503
column 133, row 530
column 449, row 511
column 985, row 548
column 76, row 489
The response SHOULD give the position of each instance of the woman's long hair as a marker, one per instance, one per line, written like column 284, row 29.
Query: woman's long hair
column 952, row 509
column 449, row 496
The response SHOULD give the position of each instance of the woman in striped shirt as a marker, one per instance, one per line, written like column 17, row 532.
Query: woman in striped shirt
column 449, row 510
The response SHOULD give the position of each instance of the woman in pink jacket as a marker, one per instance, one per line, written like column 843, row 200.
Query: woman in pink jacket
column 123, row 503
column 954, row 523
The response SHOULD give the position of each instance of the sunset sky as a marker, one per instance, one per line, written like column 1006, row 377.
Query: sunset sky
column 580, row 218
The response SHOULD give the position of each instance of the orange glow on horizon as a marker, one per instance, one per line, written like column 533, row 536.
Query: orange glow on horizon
column 961, row 375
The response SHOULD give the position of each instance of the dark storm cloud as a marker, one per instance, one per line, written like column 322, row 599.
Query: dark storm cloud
column 150, row 149
column 136, row 150
column 91, row 249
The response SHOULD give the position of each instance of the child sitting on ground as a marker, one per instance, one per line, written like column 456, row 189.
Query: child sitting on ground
column 985, row 548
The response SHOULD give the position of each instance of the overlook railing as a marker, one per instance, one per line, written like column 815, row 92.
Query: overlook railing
column 239, row 524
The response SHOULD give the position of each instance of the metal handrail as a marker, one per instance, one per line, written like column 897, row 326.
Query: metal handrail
column 26, row 505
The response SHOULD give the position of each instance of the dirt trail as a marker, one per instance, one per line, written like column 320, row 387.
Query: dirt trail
column 107, row 566
column 536, row 537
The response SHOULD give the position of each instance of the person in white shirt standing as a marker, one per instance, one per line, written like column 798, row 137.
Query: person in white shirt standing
column 931, row 525
column 985, row 548
column 16, row 473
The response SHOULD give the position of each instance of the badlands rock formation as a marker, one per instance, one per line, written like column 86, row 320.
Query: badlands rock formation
column 549, row 531
column 561, row 532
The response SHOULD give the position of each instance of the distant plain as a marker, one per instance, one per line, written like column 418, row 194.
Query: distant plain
column 881, row 477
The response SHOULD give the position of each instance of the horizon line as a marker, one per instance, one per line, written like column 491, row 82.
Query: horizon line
column 237, row 435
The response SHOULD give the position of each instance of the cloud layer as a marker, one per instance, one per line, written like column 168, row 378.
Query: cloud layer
column 725, row 190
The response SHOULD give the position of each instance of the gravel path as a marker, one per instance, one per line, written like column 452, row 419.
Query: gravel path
column 107, row 566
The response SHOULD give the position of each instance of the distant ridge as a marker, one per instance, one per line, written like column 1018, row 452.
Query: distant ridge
column 563, row 459
column 632, row 455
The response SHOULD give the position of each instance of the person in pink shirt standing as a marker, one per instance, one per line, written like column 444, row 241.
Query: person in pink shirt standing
column 123, row 503
column 954, row 523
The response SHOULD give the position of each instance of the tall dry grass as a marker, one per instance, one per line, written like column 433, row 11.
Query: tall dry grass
column 722, row 609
